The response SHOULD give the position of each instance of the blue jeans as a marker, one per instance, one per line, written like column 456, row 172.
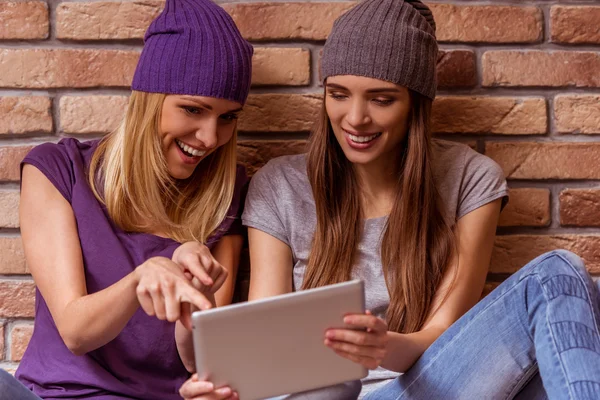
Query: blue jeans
column 535, row 337
column 12, row 389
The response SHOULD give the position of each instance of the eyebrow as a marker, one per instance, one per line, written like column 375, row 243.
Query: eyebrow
column 208, row 106
column 374, row 90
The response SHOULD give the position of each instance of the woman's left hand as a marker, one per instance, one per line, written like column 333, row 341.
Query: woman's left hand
column 365, row 344
column 200, row 267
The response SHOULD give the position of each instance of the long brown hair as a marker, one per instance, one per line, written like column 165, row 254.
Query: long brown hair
column 129, row 174
column 418, row 242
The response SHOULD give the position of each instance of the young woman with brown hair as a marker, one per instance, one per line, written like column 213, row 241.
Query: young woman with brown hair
column 376, row 198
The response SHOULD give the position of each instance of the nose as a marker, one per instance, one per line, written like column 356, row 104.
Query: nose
column 358, row 114
column 206, row 133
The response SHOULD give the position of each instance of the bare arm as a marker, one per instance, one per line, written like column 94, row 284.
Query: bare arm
column 52, row 249
column 227, row 254
column 272, row 263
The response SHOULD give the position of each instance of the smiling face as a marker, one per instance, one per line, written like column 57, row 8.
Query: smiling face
column 369, row 117
column 192, row 127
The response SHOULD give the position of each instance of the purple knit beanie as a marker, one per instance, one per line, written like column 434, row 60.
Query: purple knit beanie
column 193, row 47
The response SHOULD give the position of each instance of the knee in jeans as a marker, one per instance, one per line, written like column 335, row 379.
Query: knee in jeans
column 563, row 271
column 564, row 262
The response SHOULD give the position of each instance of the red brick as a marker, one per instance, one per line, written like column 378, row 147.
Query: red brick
column 255, row 153
column 526, row 160
column 575, row 24
column 497, row 115
column 60, row 68
column 17, row 299
column 577, row 113
column 280, row 112
column 286, row 21
column 511, row 252
column 580, row 207
column 280, row 66
column 23, row 20
column 26, row 114
column 487, row 24
column 527, row 207
column 20, row 336
column 541, row 68
column 456, row 68
column 91, row 114
column 100, row 20
column 10, row 158
column 12, row 257
column 9, row 209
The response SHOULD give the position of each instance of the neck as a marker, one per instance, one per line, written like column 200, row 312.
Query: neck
column 377, row 183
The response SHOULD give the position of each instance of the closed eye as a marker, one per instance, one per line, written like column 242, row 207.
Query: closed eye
column 383, row 101
column 229, row 117
column 337, row 95
column 192, row 110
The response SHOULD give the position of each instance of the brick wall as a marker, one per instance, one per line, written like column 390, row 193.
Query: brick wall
column 519, row 81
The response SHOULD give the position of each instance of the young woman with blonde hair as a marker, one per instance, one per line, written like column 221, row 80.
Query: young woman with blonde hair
column 103, row 222
column 376, row 198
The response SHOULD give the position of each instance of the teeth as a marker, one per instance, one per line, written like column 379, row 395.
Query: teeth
column 362, row 139
column 188, row 149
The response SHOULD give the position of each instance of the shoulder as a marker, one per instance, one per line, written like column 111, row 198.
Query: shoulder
column 63, row 153
column 459, row 160
column 466, row 179
column 283, row 171
column 63, row 163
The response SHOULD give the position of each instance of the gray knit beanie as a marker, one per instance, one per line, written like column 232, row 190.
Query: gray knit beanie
column 390, row 40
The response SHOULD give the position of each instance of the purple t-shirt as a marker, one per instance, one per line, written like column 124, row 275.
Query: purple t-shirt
column 142, row 362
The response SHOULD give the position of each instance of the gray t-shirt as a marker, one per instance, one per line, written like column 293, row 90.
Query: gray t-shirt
column 280, row 203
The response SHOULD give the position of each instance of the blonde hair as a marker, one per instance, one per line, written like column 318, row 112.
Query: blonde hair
column 129, row 175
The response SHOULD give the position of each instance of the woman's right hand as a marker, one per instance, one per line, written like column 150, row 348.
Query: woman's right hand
column 196, row 389
column 163, row 289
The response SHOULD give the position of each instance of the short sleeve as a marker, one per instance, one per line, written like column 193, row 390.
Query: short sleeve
column 54, row 162
column 483, row 182
column 260, row 211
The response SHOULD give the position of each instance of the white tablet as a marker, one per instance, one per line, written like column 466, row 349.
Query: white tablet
column 274, row 346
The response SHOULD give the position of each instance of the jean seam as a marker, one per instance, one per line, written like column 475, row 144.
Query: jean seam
column 553, row 341
column 550, row 330
column 589, row 299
